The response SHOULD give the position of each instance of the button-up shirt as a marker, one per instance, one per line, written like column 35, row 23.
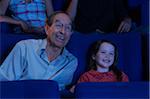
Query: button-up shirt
column 28, row 60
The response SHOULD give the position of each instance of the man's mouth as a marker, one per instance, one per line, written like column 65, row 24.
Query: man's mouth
column 60, row 38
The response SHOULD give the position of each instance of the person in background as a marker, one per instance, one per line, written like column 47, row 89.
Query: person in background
column 46, row 59
column 103, row 16
column 30, row 15
column 102, row 64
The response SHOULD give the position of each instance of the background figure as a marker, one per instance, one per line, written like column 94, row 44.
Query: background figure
column 43, row 58
column 102, row 64
column 29, row 14
column 99, row 15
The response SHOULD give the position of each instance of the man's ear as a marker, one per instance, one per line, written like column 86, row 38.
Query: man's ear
column 46, row 28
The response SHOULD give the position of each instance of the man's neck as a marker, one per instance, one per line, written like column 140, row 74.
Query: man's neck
column 53, row 52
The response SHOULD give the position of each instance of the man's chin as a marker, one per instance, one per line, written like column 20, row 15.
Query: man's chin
column 60, row 45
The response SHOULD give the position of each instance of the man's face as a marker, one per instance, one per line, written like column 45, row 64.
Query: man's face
column 58, row 34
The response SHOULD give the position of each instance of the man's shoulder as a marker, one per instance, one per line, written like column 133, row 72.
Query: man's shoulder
column 30, row 42
column 69, row 55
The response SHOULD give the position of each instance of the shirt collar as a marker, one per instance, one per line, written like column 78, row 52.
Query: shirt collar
column 42, row 47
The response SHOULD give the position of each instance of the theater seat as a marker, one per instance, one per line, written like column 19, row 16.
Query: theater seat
column 129, row 46
column 133, row 3
column 8, row 40
column 145, row 12
column 116, row 90
column 26, row 89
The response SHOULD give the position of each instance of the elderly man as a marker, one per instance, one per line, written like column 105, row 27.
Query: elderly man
column 43, row 58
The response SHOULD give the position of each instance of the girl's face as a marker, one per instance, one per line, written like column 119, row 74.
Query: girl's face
column 105, row 56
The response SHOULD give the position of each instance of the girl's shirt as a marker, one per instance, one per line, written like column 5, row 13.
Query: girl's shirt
column 94, row 76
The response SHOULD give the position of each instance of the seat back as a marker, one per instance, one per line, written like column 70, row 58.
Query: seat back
column 129, row 47
column 133, row 3
column 29, row 89
column 145, row 12
column 115, row 90
column 9, row 39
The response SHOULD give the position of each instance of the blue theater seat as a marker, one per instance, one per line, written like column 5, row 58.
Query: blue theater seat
column 29, row 89
column 129, row 45
column 145, row 13
column 8, row 39
column 133, row 3
column 115, row 90
column 5, row 27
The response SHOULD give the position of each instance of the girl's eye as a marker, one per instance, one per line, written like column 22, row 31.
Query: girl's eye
column 111, row 53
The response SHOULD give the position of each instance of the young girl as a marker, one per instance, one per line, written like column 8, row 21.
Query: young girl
column 102, row 64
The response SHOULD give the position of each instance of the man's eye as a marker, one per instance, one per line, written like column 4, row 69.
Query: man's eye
column 58, row 25
column 68, row 28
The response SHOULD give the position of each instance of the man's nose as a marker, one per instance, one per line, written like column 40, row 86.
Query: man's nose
column 62, row 30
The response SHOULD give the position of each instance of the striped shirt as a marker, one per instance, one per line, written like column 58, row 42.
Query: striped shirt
column 34, row 13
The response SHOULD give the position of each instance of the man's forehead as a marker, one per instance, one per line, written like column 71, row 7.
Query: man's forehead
column 59, row 21
column 61, row 17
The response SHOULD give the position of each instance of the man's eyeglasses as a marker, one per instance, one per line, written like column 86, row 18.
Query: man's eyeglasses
column 59, row 26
